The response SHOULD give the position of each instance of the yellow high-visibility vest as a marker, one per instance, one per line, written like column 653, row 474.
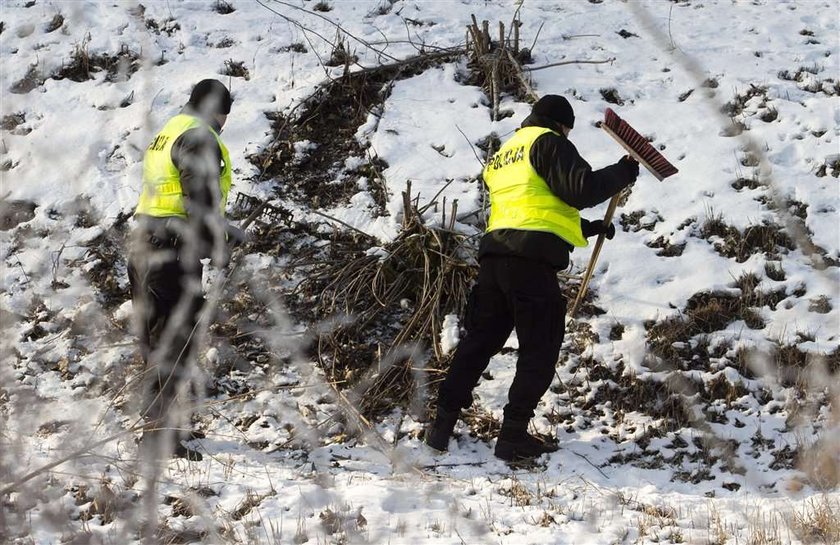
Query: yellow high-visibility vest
column 162, row 195
column 521, row 199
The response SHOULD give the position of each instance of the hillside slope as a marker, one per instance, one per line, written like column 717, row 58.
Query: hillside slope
column 694, row 396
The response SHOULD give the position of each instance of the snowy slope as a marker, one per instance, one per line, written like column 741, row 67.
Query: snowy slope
column 281, row 466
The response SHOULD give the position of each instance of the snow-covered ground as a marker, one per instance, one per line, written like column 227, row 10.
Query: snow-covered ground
column 743, row 97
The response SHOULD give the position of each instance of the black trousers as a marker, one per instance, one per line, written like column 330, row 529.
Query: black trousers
column 167, row 299
column 511, row 293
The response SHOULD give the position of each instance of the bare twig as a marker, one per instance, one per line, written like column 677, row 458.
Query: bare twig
column 543, row 67
column 590, row 463
column 537, row 37
column 330, row 21
column 366, row 235
column 72, row 456
column 529, row 91
column 472, row 146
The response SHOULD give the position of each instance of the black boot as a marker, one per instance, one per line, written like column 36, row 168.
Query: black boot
column 191, row 435
column 187, row 453
column 437, row 435
column 158, row 444
column 515, row 444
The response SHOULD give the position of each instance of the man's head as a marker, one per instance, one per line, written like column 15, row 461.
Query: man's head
column 557, row 109
column 212, row 100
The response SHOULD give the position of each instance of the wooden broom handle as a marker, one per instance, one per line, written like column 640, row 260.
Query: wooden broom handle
column 594, row 259
column 253, row 215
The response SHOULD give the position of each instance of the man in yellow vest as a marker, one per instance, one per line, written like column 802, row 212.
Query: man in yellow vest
column 180, row 221
column 538, row 183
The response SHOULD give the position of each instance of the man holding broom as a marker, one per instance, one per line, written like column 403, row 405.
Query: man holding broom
column 538, row 183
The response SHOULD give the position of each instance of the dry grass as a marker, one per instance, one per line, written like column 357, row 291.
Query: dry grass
column 818, row 521
column 322, row 6
column 342, row 55
column 717, row 534
column 518, row 493
column 83, row 65
column 766, row 529
column 235, row 69
column 766, row 238
column 222, row 7
column 821, row 462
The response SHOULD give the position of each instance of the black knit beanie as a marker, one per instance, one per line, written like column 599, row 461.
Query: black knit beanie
column 556, row 108
column 211, row 96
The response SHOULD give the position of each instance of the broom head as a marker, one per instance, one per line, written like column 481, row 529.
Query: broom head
column 637, row 146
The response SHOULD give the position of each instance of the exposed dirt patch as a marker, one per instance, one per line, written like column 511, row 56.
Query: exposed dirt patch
column 235, row 69
column 83, row 65
column 831, row 166
column 806, row 78
column 223, row 8
column 13, row 213
column 766, row 238
column 737, row 105
column 107, row 255
column 675, row 340
column 639, row 220
column 168, row 26
column 625, row 392
column 55, row 23
column 32, row 80
column 12, row 122
column 748, row 183
column 611, row 95
column 665, row 247
column 684, row 96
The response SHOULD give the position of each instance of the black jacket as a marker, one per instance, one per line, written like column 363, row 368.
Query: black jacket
column 198, row 158
column 569, row 177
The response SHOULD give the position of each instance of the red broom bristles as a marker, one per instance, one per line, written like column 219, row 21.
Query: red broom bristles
column 637, row 145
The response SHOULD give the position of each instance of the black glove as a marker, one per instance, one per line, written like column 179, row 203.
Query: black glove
column 235, row 236
column 631, row 167
column 597, row 227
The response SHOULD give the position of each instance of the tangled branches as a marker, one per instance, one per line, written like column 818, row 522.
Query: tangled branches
column 498, row 65
column 388, row 299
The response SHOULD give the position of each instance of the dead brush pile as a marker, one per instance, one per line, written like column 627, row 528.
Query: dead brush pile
column 496, row 66
column 385, row 306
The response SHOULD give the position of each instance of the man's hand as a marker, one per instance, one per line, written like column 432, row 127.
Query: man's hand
column 235, row 236
column 631, row 166
column 598, row 227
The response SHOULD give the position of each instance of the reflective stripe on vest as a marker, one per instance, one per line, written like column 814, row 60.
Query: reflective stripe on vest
column 521, row 199
column 162, row 195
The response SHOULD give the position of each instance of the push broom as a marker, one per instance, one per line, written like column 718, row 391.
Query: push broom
column 640, row 149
